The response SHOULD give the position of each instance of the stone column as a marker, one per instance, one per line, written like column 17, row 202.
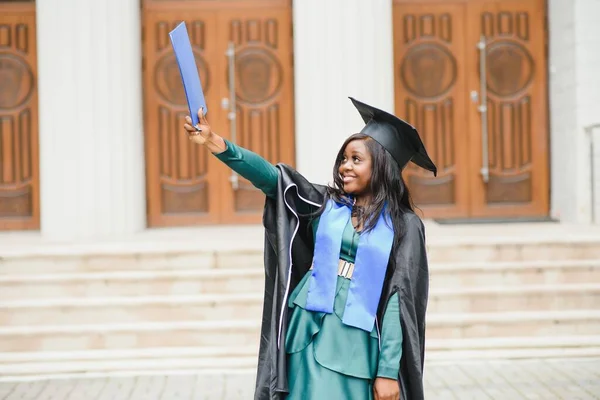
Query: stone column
column 574, row 103
column 91, row 124
column 341, row 48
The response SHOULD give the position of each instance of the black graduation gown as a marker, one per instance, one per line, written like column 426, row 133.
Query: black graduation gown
column 288, row 256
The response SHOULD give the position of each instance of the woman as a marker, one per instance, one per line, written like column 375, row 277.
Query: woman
column 346, row 271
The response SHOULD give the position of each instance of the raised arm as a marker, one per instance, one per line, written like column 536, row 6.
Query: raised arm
column 261, row 173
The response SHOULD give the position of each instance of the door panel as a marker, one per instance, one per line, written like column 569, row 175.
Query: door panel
column 264, row 106
column 19, row 166
column 516, row 109
column 186, row 184
column 430, row 85
column 182, row 184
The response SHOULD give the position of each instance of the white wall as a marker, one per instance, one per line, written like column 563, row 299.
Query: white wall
column 91, row 138
column 341, row 48
column 574, row 104
column 594, row 133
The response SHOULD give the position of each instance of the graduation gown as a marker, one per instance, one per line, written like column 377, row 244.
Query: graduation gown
column 288, row 255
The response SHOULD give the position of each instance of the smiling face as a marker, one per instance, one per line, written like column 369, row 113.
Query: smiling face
column 355, row 168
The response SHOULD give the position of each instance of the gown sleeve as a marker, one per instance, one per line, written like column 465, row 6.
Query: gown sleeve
column 391, row 341
column 261, row 173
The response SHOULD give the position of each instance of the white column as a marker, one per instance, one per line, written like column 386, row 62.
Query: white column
column 587, row 45
column 341, row 48
column 574, row 104
column 563, row 110
column 90, row 120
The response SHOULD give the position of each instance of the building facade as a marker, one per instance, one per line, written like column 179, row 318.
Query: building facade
column 504, row 94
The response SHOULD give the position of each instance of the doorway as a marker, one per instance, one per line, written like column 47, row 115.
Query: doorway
column 244, row 55
column 471, row 76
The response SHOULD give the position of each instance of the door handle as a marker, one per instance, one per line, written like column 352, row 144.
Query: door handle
column 225, row 103
column 230, row 105
column 482, row 108
column 475, row 96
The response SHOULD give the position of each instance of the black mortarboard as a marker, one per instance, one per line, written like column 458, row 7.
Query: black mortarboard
column 398, row 137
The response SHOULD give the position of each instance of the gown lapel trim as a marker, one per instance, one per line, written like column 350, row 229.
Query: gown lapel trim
column 289, row 275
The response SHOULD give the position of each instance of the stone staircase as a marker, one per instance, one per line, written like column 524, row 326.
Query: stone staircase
column 182, row 310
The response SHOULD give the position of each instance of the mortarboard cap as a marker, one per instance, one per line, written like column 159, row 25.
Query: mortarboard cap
column 398, row 137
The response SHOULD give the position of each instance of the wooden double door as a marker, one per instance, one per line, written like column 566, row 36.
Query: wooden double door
column 19, row 167
column 244, row 56
column 471, row 76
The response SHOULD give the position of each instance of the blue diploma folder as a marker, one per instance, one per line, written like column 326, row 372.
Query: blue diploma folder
column 188, row 70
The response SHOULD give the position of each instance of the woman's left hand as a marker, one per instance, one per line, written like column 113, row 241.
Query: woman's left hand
column 386, row 389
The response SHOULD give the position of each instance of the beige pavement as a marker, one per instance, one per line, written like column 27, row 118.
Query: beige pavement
column 567, row 379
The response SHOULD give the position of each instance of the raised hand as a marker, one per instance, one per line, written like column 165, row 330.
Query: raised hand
column 203, row 134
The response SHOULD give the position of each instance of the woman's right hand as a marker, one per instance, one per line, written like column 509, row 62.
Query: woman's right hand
column 203, row 134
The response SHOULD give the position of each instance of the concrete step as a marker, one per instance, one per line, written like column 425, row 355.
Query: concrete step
column 515, row 323
column 243, row 332
column 166, row 364
column 96, row 310
column 127, row 259
column 154, row 353
column 214, row 352
column 532, row 272
column 187, row 282
column 510, row 343
column 231, row 306
column 510, row 249
column 513, row 354
column 245, row 357
column 498, row 348
column 149, row 256
column 180, row 282
column 132, row 335
column 515, row 298
column 159, row 359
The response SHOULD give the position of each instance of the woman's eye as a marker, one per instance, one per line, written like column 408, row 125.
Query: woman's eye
column 356, row 159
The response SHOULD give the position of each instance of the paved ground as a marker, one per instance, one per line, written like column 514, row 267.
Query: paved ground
column 535, row 379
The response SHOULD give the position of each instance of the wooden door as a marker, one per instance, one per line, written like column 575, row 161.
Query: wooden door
column 19, row 171
column 264, row 93
column 517, row 127
column 437, row 68
column 186, row 185
column 430, row 85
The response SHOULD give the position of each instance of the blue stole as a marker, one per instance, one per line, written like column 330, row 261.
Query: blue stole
column 370, row 266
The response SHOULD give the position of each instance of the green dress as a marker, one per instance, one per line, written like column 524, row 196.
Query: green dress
column 327, row 359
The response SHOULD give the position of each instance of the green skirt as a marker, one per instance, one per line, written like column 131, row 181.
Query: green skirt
column 327, row 359
column 310, row 380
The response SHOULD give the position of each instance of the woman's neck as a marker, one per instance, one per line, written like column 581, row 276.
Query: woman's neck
column 362, row 201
